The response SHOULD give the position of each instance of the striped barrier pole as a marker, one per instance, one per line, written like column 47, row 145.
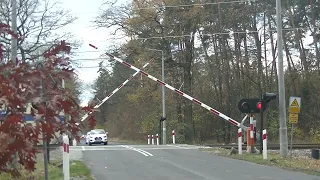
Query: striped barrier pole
column 264, row 138
column 213, row 111
column 148, row 139
column 240, row 141
column 152, row 139
column 66, row 158
column 157, row 136
column 114, row 91
column 251, row 133
column 173, row 137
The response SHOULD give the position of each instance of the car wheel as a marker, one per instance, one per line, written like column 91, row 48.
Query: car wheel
column 106, row 143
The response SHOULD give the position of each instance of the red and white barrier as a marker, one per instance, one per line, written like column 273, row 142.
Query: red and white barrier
column 213, row 111
column 148, row 139
column 264, row 139
column 66, row 158
column 114, row 91
column 173, row 137
column 152, row 140
column 157, row 139
column 240, row 141
column 251, row 138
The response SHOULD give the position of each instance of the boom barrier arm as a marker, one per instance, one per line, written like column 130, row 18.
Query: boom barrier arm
column 211, row 110
column 114, row 91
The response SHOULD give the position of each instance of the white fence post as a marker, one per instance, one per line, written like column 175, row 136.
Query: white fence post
column 157, row 139
column 152, row 139
column 173, row 137
column 66, row 163
column 148, row 139
column 264, row 137
column 74, row 142
column 240, row 141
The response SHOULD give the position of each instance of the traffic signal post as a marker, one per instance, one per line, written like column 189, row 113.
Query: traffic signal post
column 251, row 106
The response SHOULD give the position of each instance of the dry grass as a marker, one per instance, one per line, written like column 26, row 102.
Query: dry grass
column 302, row 164
column 77, row 169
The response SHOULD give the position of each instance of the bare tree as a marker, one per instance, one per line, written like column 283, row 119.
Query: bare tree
column 38, row 23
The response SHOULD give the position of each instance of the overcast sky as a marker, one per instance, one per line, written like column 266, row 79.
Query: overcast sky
column 86, row 11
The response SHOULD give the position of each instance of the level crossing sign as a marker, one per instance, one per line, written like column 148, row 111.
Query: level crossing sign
column 294, row 104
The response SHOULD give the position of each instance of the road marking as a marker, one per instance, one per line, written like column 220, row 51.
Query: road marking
column 145, row 153
column 83, row 148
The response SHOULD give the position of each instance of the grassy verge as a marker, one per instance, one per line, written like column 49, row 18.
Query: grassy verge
column 77, row 169
column 301, row 164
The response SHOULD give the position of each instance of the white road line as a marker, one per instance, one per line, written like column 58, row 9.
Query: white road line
column 83, row 148
column 138, row 150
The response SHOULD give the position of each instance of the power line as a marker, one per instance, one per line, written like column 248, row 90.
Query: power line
column 201, row 4
column 220, row 33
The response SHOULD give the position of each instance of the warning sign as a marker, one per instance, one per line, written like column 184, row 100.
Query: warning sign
column 294, row 104
column 293, row 118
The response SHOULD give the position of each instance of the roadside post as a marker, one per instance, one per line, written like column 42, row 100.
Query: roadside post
column 173, row 137
column 240, row 141
column 152, row 139
column 66, row 161
column 265, row 149
column 294, row 110
column 157, row 136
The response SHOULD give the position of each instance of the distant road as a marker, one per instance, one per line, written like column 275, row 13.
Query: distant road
column 117, row 161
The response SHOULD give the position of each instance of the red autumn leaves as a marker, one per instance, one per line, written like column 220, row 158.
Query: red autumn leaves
column 19, row 86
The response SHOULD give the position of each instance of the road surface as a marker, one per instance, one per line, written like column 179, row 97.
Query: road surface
column 173, row 162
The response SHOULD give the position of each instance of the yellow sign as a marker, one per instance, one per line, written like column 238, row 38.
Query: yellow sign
column 294, row 104
column 293, row 118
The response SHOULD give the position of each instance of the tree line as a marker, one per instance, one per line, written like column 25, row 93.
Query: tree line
column 216, row 52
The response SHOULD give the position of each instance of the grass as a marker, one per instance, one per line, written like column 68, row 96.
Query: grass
column 77, row 169
column 293, row 163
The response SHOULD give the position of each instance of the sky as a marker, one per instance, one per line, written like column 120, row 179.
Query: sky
column 83, row 30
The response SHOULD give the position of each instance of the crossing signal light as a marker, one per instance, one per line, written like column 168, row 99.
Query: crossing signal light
column 256, row 105
column 268, row 97
column 259, row 105
column 251, row 105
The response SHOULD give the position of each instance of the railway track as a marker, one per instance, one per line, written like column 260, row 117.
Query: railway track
column 271, row 146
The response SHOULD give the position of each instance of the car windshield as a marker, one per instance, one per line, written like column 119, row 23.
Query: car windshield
column 98, row 132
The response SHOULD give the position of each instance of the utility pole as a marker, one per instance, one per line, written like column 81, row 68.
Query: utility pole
column 45, row 148
column 164, row 139
column 14, row 41
column 14, row 45
column 282, row 105
column 164, row 134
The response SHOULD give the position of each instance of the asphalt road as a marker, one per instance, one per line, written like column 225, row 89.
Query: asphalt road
column 174, row 162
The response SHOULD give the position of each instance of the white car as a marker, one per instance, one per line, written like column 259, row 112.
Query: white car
column 97, row 136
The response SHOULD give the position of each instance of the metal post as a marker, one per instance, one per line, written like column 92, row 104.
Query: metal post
column 282, row 105
column 163, row 104
column 14, row 41
column 261, row 125
column 291, row 139
column 45, row 148
column 14, row 51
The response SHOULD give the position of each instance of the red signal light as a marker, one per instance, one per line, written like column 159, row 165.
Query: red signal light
column 259, row 105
